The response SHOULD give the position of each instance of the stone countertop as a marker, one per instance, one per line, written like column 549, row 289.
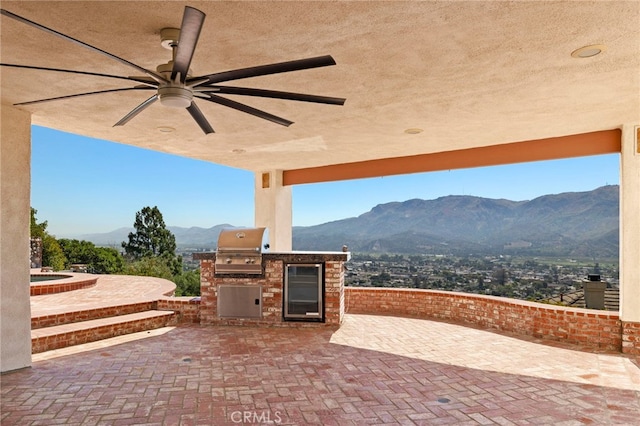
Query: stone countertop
column 290, row 256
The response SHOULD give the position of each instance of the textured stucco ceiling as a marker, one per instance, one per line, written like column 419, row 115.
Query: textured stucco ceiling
column 468, row 73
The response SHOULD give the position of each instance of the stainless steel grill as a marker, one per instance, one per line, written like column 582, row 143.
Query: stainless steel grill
column 240, row 250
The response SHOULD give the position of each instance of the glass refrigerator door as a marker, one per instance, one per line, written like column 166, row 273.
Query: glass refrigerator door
column 303, row 291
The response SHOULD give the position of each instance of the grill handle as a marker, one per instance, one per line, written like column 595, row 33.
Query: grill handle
column 244, row 249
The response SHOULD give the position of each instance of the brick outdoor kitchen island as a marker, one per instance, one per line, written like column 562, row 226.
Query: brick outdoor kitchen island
column 268, row 298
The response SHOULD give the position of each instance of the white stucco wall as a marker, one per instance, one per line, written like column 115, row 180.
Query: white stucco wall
column 630, row 226
column 15, row 181
column 273, row 209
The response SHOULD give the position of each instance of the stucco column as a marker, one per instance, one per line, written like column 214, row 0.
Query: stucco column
column 630, row 239
column 273, row 209
column 15, row 181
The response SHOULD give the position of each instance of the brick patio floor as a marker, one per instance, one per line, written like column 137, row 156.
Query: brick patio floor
column 373, row 370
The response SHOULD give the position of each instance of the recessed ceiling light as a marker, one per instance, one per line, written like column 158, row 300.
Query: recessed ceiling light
column 166, row 129
column 589, row 51
column 413, row 131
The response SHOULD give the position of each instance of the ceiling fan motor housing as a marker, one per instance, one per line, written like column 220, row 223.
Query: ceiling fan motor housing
column 173, row 94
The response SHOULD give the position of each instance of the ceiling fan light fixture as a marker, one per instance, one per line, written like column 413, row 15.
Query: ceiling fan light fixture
column 175, row 97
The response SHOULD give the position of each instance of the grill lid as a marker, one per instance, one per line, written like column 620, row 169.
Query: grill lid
column 240, row 250
column 243, row 240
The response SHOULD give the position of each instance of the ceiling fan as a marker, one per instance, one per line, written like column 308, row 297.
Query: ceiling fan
column 172, row 83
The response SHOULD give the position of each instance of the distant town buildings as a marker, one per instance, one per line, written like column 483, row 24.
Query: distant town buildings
column 557, row 282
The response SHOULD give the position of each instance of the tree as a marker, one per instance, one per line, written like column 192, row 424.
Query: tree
column 151, row 266
column 99, row 260
column 108, row 261
column 381, row 279
column 52, row 254
column 480, row 282
column 500, row 274
column 78, row 251
column 188, row 283
column 38, row 230
column 152, row 239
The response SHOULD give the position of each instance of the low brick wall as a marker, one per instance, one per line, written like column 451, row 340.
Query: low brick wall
column 187, row 309
column 589, row 328
column 631, row 338
column 334, row 292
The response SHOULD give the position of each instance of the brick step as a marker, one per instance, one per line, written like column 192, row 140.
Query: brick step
column 90, row 314
column 62, row 336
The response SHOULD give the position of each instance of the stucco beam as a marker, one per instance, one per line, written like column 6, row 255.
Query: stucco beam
column 594, row 143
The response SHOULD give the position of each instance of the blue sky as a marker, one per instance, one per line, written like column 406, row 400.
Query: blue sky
column 81, row 185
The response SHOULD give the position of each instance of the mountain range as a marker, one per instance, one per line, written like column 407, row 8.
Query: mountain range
column 577, row 224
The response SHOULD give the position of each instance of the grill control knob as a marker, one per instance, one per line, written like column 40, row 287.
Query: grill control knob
column 228, row 260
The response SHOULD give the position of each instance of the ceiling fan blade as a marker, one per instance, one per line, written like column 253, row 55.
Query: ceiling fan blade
column 192, row 21
column 249, row 110
column 57, row 98
column 137, row 110
column 151, row 74
column 245, row 91
column 139, row 80
column 200, row 118
column 300, row 64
